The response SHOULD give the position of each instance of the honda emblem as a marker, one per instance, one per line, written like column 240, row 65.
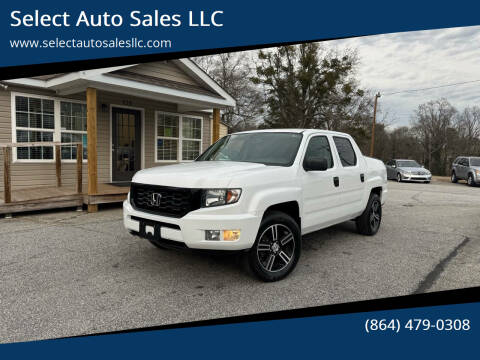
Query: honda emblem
column 155, row 200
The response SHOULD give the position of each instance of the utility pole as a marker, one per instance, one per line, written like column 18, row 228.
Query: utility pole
column 373, row 123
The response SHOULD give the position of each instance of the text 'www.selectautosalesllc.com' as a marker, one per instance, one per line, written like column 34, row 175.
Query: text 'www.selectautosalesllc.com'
column 57, row 43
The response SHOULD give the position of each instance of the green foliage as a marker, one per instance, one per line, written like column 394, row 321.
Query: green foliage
column 308, row 87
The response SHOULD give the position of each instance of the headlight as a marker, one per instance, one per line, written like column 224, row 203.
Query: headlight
column 477, row 172
column 217, row 197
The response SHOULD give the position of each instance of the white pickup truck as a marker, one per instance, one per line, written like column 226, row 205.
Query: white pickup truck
column 259, row 191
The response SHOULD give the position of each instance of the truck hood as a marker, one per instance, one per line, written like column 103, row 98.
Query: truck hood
column 196, row 174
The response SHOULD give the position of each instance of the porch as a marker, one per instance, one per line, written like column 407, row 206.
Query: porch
column 45, row 198
column 59, row 196
column 126, row 118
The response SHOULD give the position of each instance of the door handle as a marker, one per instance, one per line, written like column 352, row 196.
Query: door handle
column 362, row 177
column 336, row 181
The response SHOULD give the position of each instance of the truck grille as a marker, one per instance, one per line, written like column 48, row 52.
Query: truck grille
column 164, row 200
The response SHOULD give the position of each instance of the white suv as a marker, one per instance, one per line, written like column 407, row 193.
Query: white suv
column 259, row 191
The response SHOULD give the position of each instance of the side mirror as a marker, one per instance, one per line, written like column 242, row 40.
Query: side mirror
column 315, row 164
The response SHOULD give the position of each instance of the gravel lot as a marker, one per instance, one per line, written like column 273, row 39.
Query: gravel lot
column 68, row 273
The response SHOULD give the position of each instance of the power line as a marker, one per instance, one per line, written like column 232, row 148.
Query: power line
column 433, row 87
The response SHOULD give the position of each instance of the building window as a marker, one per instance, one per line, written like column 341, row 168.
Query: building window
column 73, row 119
column 44, row 119
column 167, row 137
column 35, row 122
column 178, row 138
column 191, row 137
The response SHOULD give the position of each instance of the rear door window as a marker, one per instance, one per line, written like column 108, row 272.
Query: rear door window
column 345, row 151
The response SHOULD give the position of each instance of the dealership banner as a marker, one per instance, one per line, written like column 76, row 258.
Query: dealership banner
column 447, row 331
column 58, row 31
column 75, row 86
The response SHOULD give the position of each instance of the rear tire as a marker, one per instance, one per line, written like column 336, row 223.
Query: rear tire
column 454, row 178
column 369, row 222
column 277, row 247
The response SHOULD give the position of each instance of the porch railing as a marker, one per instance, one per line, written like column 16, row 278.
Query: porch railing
column 7, row 163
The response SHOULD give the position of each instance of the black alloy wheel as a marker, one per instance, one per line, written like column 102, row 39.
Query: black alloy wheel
column 369, row 222
column 277, row 247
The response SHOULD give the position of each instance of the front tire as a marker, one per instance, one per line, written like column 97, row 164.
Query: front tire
column 277, row 247
column 470, row 180
column 369, row 222
column 399, row 177
column 454, row 178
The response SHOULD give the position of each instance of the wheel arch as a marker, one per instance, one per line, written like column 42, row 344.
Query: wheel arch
column 290, row 208
column 377, row 190
column 276, row 198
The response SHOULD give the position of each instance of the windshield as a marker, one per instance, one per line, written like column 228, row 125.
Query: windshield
column 408, row 163
column 475, row 161
column 269, row 148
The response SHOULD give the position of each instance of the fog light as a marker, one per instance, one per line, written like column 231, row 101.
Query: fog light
column 212, row 235
column 231, row 235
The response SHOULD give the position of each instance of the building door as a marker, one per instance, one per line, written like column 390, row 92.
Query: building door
column 126, row 143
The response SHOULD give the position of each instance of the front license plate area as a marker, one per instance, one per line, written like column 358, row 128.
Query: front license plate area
column 150, row 230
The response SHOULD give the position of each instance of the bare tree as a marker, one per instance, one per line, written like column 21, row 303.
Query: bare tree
column 468, row 127
column 432, row 123
column 232, row 71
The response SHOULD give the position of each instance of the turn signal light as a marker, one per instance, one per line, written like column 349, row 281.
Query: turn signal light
column 231, row 235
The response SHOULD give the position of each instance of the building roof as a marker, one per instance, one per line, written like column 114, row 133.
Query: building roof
column 121, row 80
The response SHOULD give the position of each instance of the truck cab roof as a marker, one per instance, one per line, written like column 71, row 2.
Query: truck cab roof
column 302, row 131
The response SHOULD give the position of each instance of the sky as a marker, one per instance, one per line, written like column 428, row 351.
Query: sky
column 417, row 60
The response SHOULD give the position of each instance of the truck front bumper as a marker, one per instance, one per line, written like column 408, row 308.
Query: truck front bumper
column 190, row 229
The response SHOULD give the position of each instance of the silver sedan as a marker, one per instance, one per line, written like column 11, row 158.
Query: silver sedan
column 407, row 170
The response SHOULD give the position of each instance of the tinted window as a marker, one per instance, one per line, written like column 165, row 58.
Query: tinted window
column 269, row 148
column 475, row 161
column 319, row 148
column 390, row 163
column 345, row 151
column 463, row 161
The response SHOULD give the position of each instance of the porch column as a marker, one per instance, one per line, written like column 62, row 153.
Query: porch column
column 92, row 145
column 216, row 125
